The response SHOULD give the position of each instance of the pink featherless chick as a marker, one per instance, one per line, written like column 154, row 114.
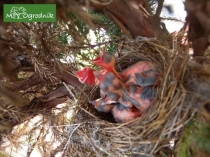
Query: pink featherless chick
column 107, row 81
column 103, row 105
column 123, row 115
column 141, row 98
column 108, row 101
column 142, row 73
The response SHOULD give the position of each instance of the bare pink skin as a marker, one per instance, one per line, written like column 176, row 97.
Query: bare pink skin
column 103, row 105
column 86, row 76
column 102, row 93
column 144, row 104
column 125, row 115
column 100, row 76
column 107, row 81
column 126, row 103
column 139, row 68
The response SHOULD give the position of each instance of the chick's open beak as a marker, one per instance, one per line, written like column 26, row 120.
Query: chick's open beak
column 86, row 76
column 107, row 61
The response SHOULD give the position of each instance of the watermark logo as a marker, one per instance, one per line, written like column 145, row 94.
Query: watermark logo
column 29, row 13
column 16, row 12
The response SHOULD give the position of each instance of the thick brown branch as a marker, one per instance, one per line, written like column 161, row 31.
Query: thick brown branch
column 25, row 84
column 59, row 92
column 69, row 78
column 159, row 8
column 37, row 105
column 131, row 16
column 199, row 25
column 50, row 104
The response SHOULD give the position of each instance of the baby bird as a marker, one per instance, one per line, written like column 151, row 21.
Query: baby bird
column 139, row 98
column 106, row 103
column 102, row 105
column 125, row 102
column 123, row 115
column 107, row 81
column 142, row 73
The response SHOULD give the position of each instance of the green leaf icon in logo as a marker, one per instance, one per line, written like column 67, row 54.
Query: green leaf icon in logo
column 17, row 11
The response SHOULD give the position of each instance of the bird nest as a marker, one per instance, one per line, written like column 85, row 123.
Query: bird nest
column 183, row 88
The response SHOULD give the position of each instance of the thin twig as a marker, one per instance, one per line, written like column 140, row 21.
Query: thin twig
column 68, row 142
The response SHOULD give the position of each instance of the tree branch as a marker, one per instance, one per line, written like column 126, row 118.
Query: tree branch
column 25, row 84
column 59, row 92
column 68, row 78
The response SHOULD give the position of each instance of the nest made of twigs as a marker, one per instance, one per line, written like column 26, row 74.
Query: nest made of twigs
column 175, row 104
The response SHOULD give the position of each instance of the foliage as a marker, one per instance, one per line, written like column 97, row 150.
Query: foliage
column 195, row 139
column 81, row 27
column 102, row 37
column 106, row 28
column 112, row 30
